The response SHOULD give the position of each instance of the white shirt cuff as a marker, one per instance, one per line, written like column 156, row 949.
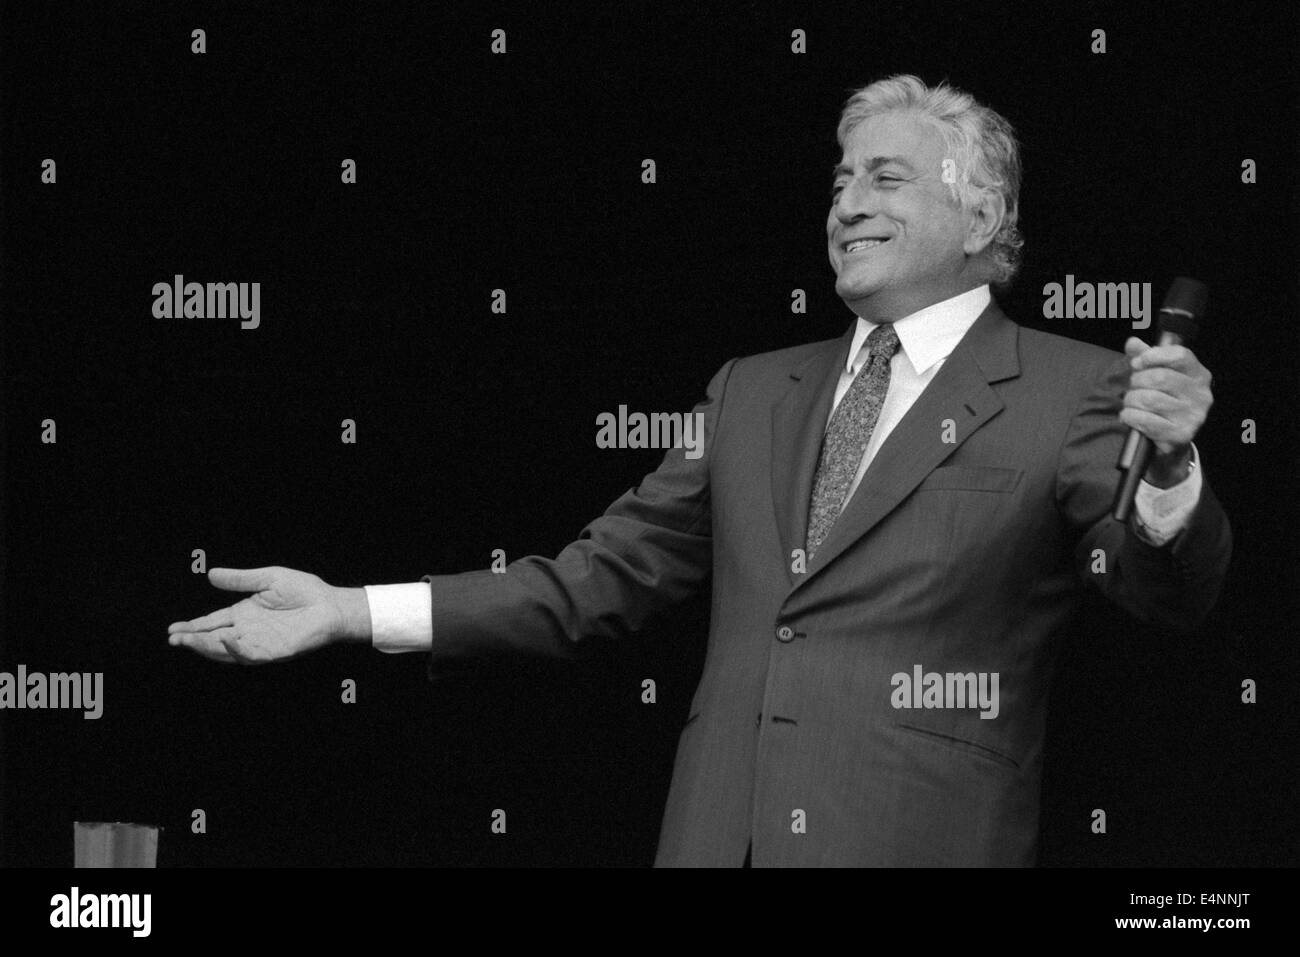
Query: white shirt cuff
column 401, row 617
column 1163, row 512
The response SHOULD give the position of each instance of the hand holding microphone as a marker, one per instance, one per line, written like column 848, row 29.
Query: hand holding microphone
column 1168, row 396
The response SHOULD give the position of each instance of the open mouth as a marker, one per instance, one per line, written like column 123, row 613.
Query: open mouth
column 859, row 245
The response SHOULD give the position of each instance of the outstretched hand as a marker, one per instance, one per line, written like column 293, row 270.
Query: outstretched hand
column 289, row 614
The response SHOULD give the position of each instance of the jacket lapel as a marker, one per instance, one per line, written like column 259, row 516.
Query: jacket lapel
column 798, row 425
column 959, row 391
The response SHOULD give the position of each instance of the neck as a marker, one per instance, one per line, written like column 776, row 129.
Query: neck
column 892, row 305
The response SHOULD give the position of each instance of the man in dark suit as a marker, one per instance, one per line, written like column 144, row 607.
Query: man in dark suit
column 898, row 524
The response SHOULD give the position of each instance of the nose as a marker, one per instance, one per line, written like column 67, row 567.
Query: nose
column 856, row 201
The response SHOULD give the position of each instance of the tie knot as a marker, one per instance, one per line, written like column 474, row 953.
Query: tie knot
column 883, row 341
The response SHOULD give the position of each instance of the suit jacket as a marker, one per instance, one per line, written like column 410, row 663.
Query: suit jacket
column 964, row 550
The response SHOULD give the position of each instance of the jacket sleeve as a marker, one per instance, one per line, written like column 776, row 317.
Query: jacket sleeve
column 651, row 549
column 1175, row 584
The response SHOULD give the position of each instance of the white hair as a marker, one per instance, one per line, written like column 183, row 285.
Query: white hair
column 979, row 140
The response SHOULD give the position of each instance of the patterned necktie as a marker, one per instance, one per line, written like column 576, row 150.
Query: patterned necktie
column 847, row 437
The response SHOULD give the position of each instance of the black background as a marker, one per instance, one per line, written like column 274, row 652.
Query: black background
column 476, row 431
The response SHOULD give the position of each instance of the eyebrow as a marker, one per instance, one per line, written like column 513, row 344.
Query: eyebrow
column 872, row 165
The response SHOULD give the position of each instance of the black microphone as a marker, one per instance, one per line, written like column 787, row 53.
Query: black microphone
column 1180, row 318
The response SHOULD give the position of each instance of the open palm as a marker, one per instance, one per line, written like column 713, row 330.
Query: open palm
column 289, row 614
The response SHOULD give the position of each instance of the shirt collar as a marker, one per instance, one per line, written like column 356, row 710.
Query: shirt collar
column 927, row 335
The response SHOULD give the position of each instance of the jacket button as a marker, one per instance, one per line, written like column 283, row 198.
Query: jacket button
column 785, row 633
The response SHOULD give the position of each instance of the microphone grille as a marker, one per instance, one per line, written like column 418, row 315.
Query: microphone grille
column 1184, row 307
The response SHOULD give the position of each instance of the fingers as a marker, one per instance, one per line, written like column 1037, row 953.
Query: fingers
column 242, row 579
column 1153, row 400
column 1169, row 381
column 1171, row 357
column 209, row 644
column 229, row 579
column 1161, row 379
column 221, row 618
column 222, row 645
column 1180, row 403
column 1167, row 434
column 1155, row 427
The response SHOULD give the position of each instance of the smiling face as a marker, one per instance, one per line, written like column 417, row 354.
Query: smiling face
column 897, row 239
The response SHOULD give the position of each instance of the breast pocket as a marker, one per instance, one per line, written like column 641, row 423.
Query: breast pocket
column 974, row 478
column 961, row 512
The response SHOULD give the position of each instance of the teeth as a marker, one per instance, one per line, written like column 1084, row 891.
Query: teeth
column 862, row 244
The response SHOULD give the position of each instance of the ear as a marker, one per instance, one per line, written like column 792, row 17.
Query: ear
column 986, row 220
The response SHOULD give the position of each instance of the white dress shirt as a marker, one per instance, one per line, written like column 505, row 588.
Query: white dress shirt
column 401, row 616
